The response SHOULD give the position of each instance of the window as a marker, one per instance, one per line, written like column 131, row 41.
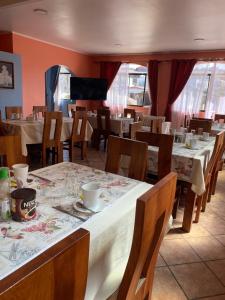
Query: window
column 130, row 87
column 137, row 94
column 64, row 83
column 204, row 91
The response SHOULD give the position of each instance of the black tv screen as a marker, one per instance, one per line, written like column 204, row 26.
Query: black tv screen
column 88, row 88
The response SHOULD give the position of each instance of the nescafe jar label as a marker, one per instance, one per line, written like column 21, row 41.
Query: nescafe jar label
column 23, row 204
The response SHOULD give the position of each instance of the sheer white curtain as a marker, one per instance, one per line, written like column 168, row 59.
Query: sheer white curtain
column 216, row 95
column 193, row 97
column 118, row 92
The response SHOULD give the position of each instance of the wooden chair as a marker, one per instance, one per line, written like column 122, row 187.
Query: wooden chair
column 51, row 141
column 219, row 117
column 136, row 150
column 152, row 213
column 71, row 108
column 58, row 273
column 81, row 108
column 201, row 201
column 77, row 134
column 37, row 110
column 131, row 112
column 133, row 128
column 218, row 167
column 11, row 111
column 103, row 129
column 195, row 124
column 165, row 144
column 10, row 150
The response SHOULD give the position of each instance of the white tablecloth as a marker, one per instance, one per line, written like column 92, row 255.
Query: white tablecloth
column 110, row 230
column 189, row 164
column 31, row 131
column 118, row 125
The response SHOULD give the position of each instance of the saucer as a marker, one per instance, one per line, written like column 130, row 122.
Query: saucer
column 87, row 210
column 203, row 139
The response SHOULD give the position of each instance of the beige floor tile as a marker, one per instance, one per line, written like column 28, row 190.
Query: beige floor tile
column 207, row 247
column 165, row 286
column 221, row 238
column 197, row 231
column 160, row 261
column 177, row 252
column 197, row 280
column 218, row 267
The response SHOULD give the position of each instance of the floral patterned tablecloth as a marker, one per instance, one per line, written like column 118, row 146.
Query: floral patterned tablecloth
column 22, row 241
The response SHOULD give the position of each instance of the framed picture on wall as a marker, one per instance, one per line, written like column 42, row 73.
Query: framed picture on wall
column 6, row 75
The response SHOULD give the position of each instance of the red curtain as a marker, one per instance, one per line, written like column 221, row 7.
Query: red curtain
column 153, row 67
column 180, row 73
column 108, row 70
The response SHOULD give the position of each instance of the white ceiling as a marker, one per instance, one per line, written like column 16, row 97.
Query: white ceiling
column 120, row 26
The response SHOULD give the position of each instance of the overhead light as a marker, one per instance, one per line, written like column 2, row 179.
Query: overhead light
column 118, row 44
column 40, row 11
column 199, row 39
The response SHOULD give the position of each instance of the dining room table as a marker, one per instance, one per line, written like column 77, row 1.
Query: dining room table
column 189, row 164
column 119, row 125
column 31, row 131
column 58, row 215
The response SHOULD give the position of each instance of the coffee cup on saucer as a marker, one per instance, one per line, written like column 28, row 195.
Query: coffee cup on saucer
column 91, row 192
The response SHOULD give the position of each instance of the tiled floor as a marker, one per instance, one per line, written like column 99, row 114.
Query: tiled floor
column 190, row 265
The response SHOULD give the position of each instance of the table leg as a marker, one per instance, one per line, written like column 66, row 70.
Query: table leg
column 188, row 209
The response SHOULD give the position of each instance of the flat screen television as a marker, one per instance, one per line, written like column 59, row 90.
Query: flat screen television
column 88, row 88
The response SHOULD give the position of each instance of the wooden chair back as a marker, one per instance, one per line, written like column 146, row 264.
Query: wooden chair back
column 156, row 126
column 151, row 220
column 37, row 110
column 136, row 150
column 58, row 273
column 131, row 112
column 10, row 150
column 103, row 120
column 79, row 126
column 133, row 128
column 216, row 155
column 10, row 111
column 219, row 116
column 195, row 124
column 71, row 108
column 52, row 134
column 203, row 119
column 81, row 108
column 165, row 144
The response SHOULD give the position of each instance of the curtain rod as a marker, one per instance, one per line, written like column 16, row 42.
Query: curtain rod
column 165, row 60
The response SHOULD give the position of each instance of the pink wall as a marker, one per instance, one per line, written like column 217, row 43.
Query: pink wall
column 37, row 57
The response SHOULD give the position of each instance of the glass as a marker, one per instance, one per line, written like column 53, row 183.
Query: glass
column 72, row 185
column 193, row 131
column 200, row 131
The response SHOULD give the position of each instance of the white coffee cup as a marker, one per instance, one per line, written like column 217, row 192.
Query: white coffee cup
column 20, row 173
column 205, row 135
column 91, row 192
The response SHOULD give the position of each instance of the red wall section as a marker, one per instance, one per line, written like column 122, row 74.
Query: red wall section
column 6, row 42
column 37, row 57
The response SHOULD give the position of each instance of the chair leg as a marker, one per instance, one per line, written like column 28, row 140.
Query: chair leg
column 214, row 181
column 43, row 157
column 60, row 153
column 71, row 151
column 205, row 198
column 83, row 150
column 199, row 206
